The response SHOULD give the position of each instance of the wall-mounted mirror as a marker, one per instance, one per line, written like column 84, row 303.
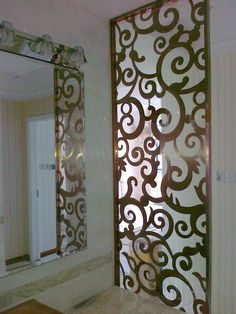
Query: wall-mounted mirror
column 42, row 177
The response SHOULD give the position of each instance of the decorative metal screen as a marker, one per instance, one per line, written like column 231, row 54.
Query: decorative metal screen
column 161, row 152
column 69, row 108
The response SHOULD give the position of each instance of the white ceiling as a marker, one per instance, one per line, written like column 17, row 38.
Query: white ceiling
column 23, row 79
column 223, row 14
column 108, row 9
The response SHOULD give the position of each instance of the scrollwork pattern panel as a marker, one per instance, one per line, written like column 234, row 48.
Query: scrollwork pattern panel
column 161, row 144
column 71, row 201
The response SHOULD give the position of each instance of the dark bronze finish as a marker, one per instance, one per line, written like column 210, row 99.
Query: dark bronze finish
column 18, row 259
column 48, row 252
column 161, row 151
column 70, row 171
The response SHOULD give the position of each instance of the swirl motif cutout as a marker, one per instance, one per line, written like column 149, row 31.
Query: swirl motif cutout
column 161, row 136
column 71, row 204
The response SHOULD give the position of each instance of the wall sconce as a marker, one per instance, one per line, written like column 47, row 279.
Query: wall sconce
column 77, row 57
column 73, row 58
column 42, row 48
column 6, row 34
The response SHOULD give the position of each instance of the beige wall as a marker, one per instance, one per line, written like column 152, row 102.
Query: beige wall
column 223, row 193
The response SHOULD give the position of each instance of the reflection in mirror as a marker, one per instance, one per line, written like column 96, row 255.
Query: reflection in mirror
column 71, row 190
column 27, row 162
column 42, row 172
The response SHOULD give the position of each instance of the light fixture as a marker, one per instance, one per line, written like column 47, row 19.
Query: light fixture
column 77, row 57
column 42, row 48
column 6, row 34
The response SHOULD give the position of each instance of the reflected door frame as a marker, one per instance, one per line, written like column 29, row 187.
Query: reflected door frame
column 35, row 254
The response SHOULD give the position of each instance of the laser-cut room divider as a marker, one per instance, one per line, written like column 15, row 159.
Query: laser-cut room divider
column 161, row 127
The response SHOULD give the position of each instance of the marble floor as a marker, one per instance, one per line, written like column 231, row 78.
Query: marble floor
column 119, row 301
column 31, row 307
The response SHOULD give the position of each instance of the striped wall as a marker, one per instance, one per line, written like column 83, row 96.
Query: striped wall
column 14, row 182
column 14, row 201
column 223, row 193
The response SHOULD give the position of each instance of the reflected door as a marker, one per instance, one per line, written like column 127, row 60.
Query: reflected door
column 42, row 178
